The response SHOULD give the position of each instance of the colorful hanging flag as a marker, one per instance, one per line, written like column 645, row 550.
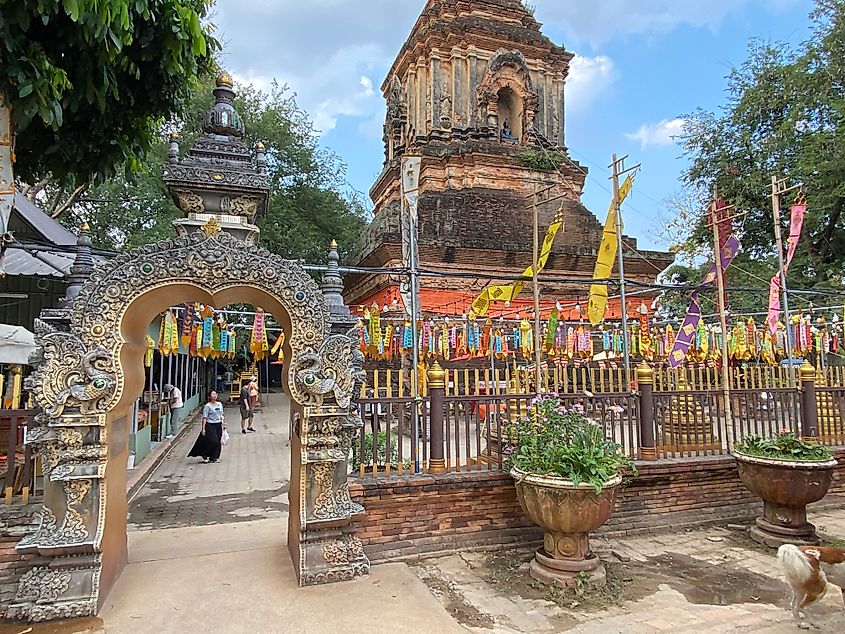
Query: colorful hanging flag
column 687, row 333
column 724, row 230
column 409, row 197
column 258, row 341
column 509, row 292
column 148, row 355
column 277, row 348
column 188, row 325
column 606, row 257
column 796, row 223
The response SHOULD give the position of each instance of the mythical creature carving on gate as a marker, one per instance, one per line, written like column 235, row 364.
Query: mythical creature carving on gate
column 69, row 374
column 327, row 371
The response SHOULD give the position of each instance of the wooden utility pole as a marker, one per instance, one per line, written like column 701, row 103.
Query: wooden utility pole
column 779, row 188
column 618, row 167
column 536, row 208
column 723, row 319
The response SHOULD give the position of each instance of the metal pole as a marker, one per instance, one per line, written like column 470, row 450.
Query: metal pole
column 720, row 283
column 779, row 241
column 622, row 289
column 415, row 421
column 535, row 276
column 492, row 387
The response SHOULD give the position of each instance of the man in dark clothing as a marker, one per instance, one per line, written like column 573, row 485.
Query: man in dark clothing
column 245, row 402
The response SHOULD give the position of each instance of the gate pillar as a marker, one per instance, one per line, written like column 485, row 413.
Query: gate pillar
column 320, row 539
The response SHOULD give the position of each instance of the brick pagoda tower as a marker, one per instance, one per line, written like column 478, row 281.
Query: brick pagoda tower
column 478, row 92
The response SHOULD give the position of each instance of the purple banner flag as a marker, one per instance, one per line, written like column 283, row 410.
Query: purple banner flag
column 686, row 335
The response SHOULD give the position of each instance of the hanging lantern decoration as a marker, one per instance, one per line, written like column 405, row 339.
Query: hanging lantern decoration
column 188, row 325
column 258, row 345
column 148, row 355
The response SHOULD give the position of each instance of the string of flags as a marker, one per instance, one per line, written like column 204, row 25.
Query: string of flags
column 204, row 332
column 387, row 338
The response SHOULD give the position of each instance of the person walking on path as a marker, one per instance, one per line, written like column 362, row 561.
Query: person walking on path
column 253, row 393
column 210, row 441
column 176, row 405
column 247, row 409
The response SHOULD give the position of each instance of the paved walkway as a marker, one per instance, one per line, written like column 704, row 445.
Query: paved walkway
column 238, row 579
column 207, row 553
column 250, row 481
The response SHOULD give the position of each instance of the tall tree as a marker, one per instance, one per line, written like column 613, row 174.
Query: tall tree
column 785, row 116
column 309, row 205
column 89, row 81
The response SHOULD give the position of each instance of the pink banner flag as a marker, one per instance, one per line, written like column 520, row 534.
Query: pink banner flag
column 796, row 223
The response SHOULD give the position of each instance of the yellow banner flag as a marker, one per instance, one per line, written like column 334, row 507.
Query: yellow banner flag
column 509, row 292
column 606, row 257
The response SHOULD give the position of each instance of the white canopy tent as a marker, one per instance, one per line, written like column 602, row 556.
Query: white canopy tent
column 16, row 345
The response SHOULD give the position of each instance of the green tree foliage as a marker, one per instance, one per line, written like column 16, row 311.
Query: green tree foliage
column 90, row 81
column 785, row 116
column 310, row 204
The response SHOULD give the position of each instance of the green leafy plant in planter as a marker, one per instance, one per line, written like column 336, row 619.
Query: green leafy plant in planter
column 787, row 473
column 783, row 446
column 567, row 474
column 559, row 441
column 381, row 458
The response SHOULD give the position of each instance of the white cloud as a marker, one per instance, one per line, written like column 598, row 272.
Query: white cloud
column 322, row 48
column 589, row 78
column 599, row 22
column 663, row 133
column 332, row 53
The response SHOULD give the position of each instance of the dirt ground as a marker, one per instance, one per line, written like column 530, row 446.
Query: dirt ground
column 699, row 580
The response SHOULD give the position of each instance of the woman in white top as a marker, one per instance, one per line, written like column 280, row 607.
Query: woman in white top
column 208, row 444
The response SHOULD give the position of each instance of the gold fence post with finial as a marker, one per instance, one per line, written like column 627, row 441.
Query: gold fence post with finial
column 436, row 392
column 645, row 385
column 809, row 404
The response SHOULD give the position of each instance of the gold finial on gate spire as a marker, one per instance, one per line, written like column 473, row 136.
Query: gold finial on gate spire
column 211, row 227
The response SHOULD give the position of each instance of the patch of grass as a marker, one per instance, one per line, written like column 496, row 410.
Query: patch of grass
column 827, row 540
column 506, row 575
column 541, row 161
column 585, row 598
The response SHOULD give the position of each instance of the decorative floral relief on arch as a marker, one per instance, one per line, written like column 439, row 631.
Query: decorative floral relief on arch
column 213, row 263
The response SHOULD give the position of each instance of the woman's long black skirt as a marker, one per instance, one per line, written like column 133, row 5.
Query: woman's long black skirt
column 208, row 445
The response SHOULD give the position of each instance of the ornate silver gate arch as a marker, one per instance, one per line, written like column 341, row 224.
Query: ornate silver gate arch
column 91, row 371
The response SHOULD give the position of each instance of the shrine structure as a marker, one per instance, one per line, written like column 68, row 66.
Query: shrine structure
column 477, row 91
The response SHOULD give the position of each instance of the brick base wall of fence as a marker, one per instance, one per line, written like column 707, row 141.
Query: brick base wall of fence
column 15, row 522
column 418, row 515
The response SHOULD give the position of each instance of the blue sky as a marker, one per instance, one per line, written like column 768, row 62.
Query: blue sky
column 639, row 68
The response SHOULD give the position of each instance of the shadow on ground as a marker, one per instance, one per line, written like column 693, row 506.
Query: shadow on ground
column 164, row 505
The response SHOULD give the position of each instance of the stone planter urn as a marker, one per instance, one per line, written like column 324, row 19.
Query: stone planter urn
column 567, row 513
column 786, row 488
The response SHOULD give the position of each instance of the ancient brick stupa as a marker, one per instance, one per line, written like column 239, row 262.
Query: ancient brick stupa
column 478, row 91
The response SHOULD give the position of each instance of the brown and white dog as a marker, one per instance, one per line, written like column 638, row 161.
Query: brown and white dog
column 803, row 567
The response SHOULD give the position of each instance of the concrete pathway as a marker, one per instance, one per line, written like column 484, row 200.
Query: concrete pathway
column 237, row 578
column 207, row 552
column 698, row 580
column 250, row 481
